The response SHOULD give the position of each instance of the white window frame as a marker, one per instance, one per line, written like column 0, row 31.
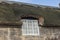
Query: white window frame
column 30, row 27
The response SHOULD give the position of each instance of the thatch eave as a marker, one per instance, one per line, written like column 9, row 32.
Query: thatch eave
column 7, row 23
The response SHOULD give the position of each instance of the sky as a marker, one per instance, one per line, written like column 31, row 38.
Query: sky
column 54, row 3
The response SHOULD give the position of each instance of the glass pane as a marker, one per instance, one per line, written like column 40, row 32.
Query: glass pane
column 30, row 27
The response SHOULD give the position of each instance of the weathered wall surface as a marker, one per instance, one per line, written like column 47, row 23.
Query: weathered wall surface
column 3, row 34
column 46, row 33
column 10, row 33
column 50, row 33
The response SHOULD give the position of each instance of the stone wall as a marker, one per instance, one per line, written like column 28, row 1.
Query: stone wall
column 46, row 33
column 3, row 34
column 10, row 33
column 50, row 33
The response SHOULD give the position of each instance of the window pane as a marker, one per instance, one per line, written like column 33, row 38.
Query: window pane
column 30, row 27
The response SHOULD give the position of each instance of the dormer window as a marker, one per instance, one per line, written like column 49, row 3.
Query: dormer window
column 30, row 26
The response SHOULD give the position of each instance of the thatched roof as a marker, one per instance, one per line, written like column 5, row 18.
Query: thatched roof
column 12, row 12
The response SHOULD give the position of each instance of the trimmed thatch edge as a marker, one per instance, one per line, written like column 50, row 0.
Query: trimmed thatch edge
column 50, row 25
column 7, row 23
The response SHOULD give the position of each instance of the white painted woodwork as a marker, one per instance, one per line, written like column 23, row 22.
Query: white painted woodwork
column 30, row 27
